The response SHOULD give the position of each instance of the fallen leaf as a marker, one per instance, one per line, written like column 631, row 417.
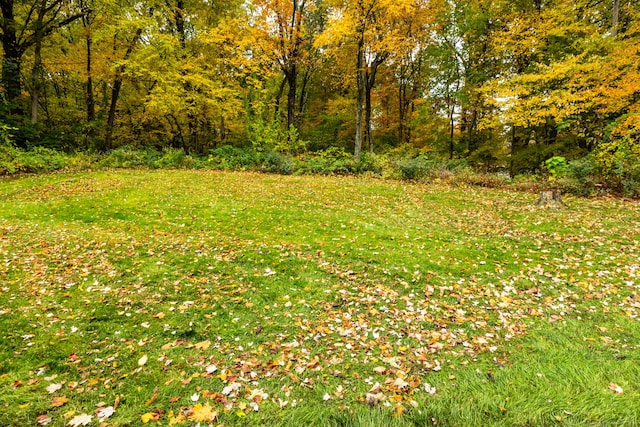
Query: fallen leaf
column 400, row 384
column 43, row 420
column 80, row 420
column 52, row 388
column 203, row 413
column 104, row 413
column 429, row 389
column 149, row 416
column 372, row 399
column 143, row 360
column 615, row 388
column 203, row 345
column 59, row 401
column 153, row 397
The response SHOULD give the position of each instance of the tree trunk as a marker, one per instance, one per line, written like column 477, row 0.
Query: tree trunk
column 452, row 122
column 36, row 80
column 401, row 113
column 12, row 55
column 292, row 82
column 276, row 113
column 115, row 93
column 367, row 118
column 550, row 199
column 91, row 104
column 360, row 100
column 615, row 17
column 370, row 81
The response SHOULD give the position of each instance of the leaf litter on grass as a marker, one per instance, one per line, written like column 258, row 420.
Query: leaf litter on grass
column 247, row 320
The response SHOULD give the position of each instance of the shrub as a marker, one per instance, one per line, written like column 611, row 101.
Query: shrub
column 414, row 169
column 557, row 166
column 228, row 157
column 332, row 161
column 276, row 163
column 174, row 158
column 128, row 157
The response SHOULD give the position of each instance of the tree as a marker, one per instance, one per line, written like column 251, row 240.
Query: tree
column 25, row 25
column 370, row 29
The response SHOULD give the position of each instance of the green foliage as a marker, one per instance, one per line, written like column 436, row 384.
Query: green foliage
column 276, row 162
column 174, row 158
column 229, row 157
column 273, row 137
column 557, row 166
column 415, row 168
column 37, row 160
column 129, row 157
column 332, row 161
column 618, row 157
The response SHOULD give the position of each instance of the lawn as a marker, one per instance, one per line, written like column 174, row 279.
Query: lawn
column 241, row 299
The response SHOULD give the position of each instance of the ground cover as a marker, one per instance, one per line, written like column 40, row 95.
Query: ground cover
column 190, row 297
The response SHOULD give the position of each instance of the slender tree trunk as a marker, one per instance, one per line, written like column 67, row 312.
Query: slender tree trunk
column 292, row 81
column 401, row 113
column 223, row 132
column 278, row 98
column 115, row 93
column 367, row 119
column 302, row 102
column 512, row 171
column 615, row 17
column 452, row 109
column 11, row 53
column 36, row 79
column 360, row 100
column 91, row 103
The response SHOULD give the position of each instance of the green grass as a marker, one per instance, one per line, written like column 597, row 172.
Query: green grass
column 304, row 292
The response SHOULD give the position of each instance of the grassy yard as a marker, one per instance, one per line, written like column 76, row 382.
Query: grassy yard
column 186, row 298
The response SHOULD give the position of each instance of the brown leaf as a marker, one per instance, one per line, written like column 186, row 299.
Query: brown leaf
column 43, row 420
column 615, row 388
column 153, row 397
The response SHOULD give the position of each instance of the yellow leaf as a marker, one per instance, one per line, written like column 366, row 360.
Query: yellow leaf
column 149, row 416
column 203, row 345
column 59, row 401
column 203, row 413
column 24, row 405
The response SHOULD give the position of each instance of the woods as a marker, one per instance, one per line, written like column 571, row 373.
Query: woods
column 502, row 85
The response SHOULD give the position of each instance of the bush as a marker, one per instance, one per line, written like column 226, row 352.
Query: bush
column 174, row 158
column 276, row 163
column 129, row 157
column 332, row 161
column 414, row 169
column 228, row 157
column 38, row 160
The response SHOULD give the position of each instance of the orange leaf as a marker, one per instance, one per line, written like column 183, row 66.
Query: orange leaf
column 59, row 401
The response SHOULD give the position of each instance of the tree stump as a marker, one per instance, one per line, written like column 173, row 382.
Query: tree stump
column 550, row 199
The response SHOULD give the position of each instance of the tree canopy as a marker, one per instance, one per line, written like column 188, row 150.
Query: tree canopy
column 504, row 84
